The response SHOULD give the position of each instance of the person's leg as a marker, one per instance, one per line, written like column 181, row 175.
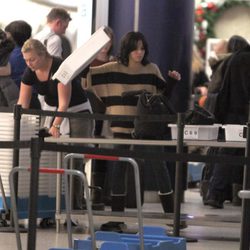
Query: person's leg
column 220, row 181
column 79, row 128
column 163, row 180
column 118, row 189
column 98, row 176
column 171, row 165
column 237, row 180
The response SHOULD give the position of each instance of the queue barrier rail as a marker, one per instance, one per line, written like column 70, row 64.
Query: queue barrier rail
column 35, row 148
column 244, row 194
column 66, row 173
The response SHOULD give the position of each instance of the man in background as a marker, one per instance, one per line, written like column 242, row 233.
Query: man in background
column 51, row 35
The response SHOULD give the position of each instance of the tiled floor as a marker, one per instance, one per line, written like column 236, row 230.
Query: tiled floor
column 212, row 228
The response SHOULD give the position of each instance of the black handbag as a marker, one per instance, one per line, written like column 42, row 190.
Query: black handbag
column 152, row 104
column 199, row 116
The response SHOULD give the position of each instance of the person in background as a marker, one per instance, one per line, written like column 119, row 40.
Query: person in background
column 218, row 54
column 104, row 54
column 57, row 22
column 218, row 63
column 58, row 97
column 231, row 107
column 20, row 31
column 199, row 76
column 100, row 168
column 132, row 71
column 8, row 90
column 52, row 36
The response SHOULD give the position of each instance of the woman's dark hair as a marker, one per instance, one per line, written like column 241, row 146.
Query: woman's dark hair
column 20, row 31
column 6, row 47
column 236, row 43
column 128, row 44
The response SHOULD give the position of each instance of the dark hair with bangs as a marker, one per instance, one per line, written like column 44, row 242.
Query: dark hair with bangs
column 128, row 44
column 20, row 31
column 6, row 47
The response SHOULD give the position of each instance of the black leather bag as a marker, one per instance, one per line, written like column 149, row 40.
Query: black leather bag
column 152, row 104
column 199, row 116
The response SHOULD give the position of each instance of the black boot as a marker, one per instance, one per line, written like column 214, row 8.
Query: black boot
column 236, row 200
column 167, row 201
column 97, row 191
column 118, row 203
column 215, row 200
column 97, row 198
column 203, row 190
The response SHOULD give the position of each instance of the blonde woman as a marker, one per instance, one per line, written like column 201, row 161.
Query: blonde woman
column 71, row 97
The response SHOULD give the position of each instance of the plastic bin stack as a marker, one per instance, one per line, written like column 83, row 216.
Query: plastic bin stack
column 47, row 185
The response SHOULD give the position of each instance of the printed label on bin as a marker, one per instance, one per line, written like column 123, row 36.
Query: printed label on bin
column 191, row 133
column 240, row 132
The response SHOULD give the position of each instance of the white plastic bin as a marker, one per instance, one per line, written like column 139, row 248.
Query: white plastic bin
column 234, row 132
column 196, row 132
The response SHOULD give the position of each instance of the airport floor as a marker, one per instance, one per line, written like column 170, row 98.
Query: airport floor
column 207, row 228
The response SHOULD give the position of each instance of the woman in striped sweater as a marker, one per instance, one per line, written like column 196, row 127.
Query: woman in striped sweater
column 131, row 72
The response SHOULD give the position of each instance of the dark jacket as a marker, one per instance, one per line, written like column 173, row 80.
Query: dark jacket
column 9, row 92
column 233, row 99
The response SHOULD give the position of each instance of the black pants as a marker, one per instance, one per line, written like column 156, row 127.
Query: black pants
column 123, row 182
column 224, row 175
column 122, row 179
column 79, row 128
column 158, row 168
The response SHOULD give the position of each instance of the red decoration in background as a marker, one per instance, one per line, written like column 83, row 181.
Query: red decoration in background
column 205, row 16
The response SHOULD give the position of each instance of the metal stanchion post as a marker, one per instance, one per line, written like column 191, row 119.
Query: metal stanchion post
column 35, row 151
column 16, row 137
column 245, row 221
column 178, row 176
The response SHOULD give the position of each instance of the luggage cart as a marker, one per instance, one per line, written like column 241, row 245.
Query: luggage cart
column 147, row 238
column 133, row 164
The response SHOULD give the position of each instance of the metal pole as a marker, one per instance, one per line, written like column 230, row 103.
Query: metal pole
column 13, row 198
column 35, row 151
column 87, row 194
column 136, row 15
column 58, row 191
column 16, row 138
column 245, row 218
column 178, row 175
column 138, row 198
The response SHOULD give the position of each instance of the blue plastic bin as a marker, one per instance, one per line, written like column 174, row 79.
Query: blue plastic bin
column 155, row 238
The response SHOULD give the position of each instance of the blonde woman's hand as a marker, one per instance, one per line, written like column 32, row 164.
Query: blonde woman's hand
column 174, row 74
column 55, row 132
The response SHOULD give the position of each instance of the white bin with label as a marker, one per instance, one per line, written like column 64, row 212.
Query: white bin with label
column 197, row 132
column 234, row 132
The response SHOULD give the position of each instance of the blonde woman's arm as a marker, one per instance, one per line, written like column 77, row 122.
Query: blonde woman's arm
column 25, row 95
column 64, row 96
